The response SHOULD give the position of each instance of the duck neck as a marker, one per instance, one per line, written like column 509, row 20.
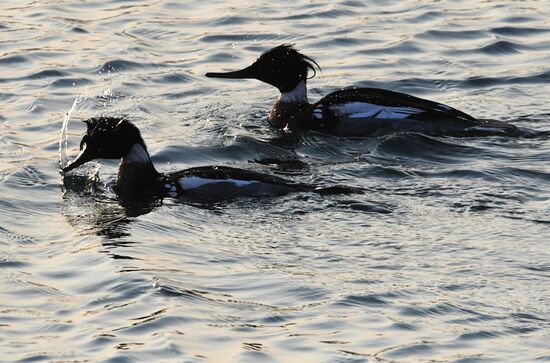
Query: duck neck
column 136, row 173
column 288, row 105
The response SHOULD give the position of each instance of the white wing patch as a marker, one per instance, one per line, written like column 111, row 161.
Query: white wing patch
column 171, row 190
column 370, row 110
column 192, row 182
column 318, row 113
column 494, row 129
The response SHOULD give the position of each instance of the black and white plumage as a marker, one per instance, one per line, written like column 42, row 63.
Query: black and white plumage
column 354, row 111
column 117, row 138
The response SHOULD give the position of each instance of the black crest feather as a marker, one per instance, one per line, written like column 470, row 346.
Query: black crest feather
column 102, row 124
column 288, row 51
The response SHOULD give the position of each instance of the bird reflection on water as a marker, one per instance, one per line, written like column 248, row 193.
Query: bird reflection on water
column 92, row 209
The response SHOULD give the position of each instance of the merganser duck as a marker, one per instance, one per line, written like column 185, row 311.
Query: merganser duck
column 354, row 111
column 117, row 138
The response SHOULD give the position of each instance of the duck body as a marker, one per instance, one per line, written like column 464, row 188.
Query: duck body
column 219, row 181
column 374, row 112
column 354, row 111
column 116, row 138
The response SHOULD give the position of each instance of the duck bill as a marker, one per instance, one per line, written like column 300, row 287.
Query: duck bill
column 82, row 158
column 247, row 72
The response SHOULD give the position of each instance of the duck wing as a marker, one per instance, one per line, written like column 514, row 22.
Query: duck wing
column 374, row 111
column 205, row 174
column 385, row 104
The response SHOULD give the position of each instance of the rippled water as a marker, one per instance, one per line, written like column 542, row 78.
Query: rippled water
column 445, row 258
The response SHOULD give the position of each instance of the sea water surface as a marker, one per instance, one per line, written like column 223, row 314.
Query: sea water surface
column 445, row 258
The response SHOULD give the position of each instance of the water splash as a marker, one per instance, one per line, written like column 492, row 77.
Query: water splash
column 63, row 153
column 96, row 102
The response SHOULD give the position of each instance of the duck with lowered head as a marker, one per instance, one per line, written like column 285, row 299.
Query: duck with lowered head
column 117, row 138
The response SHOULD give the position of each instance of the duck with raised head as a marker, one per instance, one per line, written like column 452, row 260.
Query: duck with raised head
column 354, row 111
column 117, row 138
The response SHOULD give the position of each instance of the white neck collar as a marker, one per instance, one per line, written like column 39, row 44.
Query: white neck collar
column 297, row 95
column 137, row 155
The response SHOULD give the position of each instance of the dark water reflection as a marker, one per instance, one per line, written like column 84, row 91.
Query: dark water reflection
column 444, row 258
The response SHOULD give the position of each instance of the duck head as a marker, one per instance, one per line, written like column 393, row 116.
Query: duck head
column 283, row 67
column 106, row 138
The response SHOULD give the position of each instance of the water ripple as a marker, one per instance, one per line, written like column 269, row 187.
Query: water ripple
column 518, row 31
column 444, row 254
